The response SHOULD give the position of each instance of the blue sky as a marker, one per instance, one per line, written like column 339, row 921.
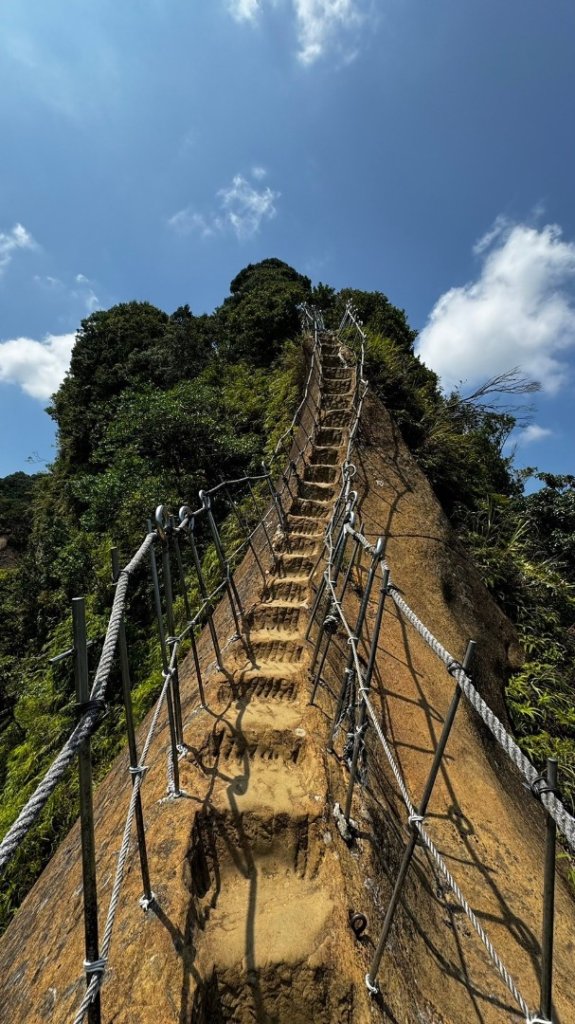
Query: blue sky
column 422, row 148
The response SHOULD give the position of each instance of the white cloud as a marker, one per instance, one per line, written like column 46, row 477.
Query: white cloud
column 259, row 173
column 520, row 311
column 38, row 367
column 533, row 433
column 321, row 25
column 187, row 221
column 17, row 238
column 244, row 10
column 245, row 208
column 242, row 208
column 81, row 291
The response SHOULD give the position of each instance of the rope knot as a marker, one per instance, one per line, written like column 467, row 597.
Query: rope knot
column 88, row 707
column 415, row 819
column 454, row 666
column 95, row 966
column 539, row 786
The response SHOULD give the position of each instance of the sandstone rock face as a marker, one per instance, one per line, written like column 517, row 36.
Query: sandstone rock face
column 254, row 884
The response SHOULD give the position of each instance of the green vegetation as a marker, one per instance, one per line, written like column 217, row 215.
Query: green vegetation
column 156, row 406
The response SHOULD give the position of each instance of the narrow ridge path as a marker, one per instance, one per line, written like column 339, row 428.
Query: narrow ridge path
column 270, row 931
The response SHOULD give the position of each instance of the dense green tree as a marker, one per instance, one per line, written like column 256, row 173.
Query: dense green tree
column 261, row 312
column 115, row 349
column 16, row 501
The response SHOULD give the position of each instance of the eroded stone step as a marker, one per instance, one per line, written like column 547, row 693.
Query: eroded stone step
column 257, row 685
column 248, row 738
column 299, row 544
column 336, row 418
column 335, row 401
column 328, row 456
column 302, row 527
column 315, row 491
column 311, row 509
column 290, row 564
column 320, row 473
column 293, row 590
column 281, row 993
column 276, row 616
column 335, row 370
column 328, row 436
column 267, row 649
column 336, row 387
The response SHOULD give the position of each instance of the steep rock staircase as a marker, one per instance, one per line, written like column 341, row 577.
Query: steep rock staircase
column 270, row 932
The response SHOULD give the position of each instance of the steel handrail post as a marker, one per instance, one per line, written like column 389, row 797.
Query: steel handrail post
column 231, row 588
column 546, row 1003
column 245, row 527
column 350, row 667
column 262, row 521
column 282, row 518
column 165, row 664
column 89, row 882
column 371, row 977
column 169, row 598
column 330, row 633
column 204, row 592
column 338, row 553
column 367, row 687
column 189, row 617
column 136, row 768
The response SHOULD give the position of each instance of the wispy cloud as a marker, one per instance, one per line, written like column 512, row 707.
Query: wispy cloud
column 534, row 433
column 80, row 293
column 11, row 241
column 244, row 10
column 322, row 26
column 38, row 367
column 520, row 311
column 241, row 207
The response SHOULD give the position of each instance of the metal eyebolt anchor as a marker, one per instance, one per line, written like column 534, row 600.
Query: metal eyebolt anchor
column 358, row 923
column 184, row 513
column 161, row 521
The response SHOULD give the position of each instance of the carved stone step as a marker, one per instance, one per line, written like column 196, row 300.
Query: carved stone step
column 297, row 544
column 318, row 473
column 315, row 491
column 295, row 994
column 328, row 456
column 288, row 590
column 329, row 436
column 276, row 616
column 258, row 685
column 299, row 566
column 336, row 401
column 300, row 527
column 268, row 650
column 336, row 418
column 336, row 386
column 315, row 509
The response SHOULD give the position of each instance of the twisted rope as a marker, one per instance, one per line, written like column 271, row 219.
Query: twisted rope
column 565, row 822
column 87, row 724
